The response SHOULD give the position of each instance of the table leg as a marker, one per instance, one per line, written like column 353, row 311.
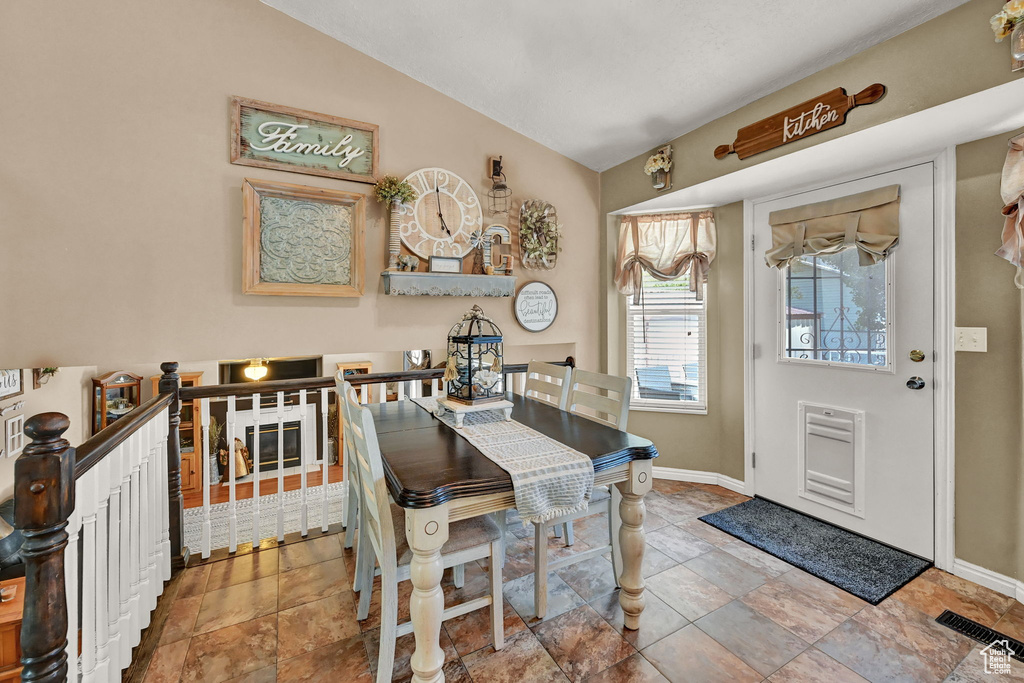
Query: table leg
column 632, row 540
column 427, row 531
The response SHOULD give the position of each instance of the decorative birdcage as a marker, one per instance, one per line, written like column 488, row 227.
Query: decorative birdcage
column 474, row 370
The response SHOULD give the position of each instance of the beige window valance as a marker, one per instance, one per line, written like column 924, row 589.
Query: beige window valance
column 868, row 220
column 667, row 246
column 1012, row 191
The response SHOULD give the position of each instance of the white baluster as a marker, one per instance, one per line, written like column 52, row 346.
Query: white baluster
column 129, row 633
column 280, row 467
column 324, row 398
column 86, row 505
column 162, row 430
column 152, row 450
column 382, row 391
column 304, row 511
column 102, row 559
column 204, row 409
column 256, row 537
column 232, row 473
column 135, row 601
column 400, row 386
column 71, row 580
column 519, row 383
column 116, row 460
column 146, row 596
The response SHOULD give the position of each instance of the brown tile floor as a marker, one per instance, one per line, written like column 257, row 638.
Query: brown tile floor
column 717, row 610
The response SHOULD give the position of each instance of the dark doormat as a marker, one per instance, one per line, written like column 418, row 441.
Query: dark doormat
column 868, row 569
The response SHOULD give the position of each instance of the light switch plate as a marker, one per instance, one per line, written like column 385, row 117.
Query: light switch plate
column 972, row 339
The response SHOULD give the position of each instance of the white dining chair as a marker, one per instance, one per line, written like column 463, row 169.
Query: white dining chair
column 548, row 383
column 383, row 530
column 603, row 399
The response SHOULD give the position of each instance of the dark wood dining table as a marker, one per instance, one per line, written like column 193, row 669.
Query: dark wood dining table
column 439, row 477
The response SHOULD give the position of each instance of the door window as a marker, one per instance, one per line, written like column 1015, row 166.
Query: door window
column 836, row 312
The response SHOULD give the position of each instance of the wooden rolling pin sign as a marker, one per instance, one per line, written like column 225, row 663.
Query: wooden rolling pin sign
column 813, row 116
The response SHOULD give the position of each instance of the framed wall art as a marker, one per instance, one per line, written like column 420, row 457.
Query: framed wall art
column 12, row 383
column 536, row 306
column 445, row 264
column 15, row 435
column 269, row 135
column 302, row 241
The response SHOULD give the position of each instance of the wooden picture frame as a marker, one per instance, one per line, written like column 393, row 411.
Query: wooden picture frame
column 445, row 264
column 297, row 152
column 12, row 383
column 276, row 264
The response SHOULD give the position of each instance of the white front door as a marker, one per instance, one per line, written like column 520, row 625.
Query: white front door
column 838, row 434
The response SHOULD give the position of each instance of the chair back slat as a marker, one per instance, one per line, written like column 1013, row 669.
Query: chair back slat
column 605, row 395
column 548, row 383
column 374, row 504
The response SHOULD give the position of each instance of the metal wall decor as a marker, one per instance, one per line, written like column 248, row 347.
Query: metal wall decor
column 473, row 371
column 269, row 135
column 536, row 306
column 302, row 241
column 444, row 215
column 539, row 234
column 813, row 116
column 504, row 237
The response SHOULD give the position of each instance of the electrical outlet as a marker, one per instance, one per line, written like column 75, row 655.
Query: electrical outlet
column 972, row 339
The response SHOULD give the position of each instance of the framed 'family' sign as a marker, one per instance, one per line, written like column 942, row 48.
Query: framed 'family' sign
column 287, row 139
column 536, row 306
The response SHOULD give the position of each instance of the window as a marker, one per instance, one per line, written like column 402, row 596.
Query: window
column 836, row 311
column 666, row 347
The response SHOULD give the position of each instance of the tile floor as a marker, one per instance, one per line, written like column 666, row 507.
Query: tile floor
column 717, row 610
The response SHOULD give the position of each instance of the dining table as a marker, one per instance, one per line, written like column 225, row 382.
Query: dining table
column 439, row 477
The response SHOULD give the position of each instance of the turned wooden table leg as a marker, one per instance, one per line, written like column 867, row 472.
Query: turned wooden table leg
column 632, row 540
column 427, row 531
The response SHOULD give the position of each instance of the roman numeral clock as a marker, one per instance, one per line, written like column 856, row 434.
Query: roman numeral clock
column 442, row 219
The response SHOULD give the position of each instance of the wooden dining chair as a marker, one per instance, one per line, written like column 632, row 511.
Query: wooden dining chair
column 548, row 383
column 382, row 528
column 603, row 399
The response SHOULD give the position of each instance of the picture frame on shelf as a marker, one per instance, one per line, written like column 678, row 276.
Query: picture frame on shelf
column 12, row 383
column 446, row 264
column 302, row 241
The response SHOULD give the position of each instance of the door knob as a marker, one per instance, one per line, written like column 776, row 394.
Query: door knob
column 915, row 383
column 917, row 355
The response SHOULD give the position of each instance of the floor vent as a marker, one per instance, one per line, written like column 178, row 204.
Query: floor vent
column 982, row 634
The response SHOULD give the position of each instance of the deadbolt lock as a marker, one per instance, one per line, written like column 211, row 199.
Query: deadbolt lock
column 917, row 355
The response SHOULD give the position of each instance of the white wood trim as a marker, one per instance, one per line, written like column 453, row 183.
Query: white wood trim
column 989, row 579
column 700, row 477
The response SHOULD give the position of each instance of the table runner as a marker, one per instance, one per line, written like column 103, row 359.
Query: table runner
column 549, row 478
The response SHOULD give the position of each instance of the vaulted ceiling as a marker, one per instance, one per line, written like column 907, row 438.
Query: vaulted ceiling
column 602, row 81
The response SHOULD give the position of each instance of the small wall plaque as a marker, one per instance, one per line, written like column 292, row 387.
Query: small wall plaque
column 445, row 264
column 536, row 306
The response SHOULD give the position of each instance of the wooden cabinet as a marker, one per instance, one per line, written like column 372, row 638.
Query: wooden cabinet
column 10, row 632
column 114, row 395
column 190, row 431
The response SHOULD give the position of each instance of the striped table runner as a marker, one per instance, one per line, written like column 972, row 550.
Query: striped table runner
column 550, row 479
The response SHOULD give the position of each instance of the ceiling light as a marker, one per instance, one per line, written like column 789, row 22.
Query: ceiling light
column 256, row 370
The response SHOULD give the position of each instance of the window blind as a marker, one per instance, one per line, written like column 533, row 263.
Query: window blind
column 666, row 347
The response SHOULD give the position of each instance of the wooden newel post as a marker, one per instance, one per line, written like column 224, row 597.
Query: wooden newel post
column 170, row 383
column 44, row 498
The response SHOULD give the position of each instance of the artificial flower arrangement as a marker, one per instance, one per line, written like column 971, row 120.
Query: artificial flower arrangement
column 1007, row 19
column 660, row 161
column 539, row 233
column 390, row 189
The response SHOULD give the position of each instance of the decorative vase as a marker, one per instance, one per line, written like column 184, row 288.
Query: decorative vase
column 394, row 239
column 659, row 179
column 1017, row 42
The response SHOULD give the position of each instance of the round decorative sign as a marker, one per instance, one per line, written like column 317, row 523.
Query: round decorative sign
column 536, row 306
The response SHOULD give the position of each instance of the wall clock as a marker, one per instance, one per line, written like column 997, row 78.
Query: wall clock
column 441, row 220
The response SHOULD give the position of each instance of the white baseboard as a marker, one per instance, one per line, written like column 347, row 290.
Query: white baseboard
column 988, row 578
column 699, row 477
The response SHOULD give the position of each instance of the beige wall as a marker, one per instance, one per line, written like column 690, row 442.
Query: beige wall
column 942, row 60
column 121, row 217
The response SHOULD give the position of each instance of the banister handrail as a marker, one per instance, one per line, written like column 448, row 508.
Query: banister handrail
column 105, row 441
column 311, row 383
